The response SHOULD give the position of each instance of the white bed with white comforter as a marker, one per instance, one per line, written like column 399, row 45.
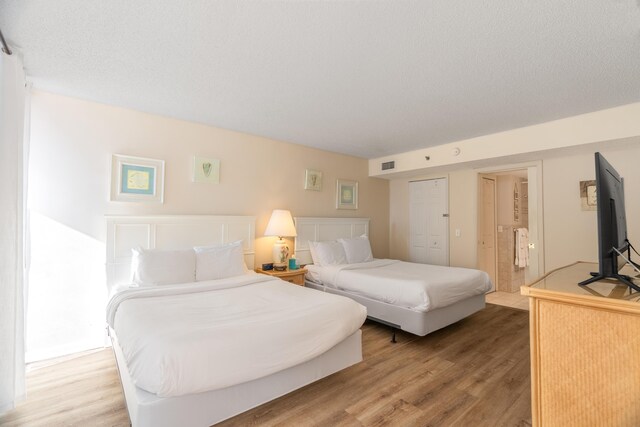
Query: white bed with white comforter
column 199, row 338
column 419, row 287
column 417, row 298
column 195, row 337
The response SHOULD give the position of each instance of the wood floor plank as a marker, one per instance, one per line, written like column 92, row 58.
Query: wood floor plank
column 475, row 372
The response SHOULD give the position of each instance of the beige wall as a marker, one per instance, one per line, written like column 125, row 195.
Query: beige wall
column 72, row 142
column 570, row 234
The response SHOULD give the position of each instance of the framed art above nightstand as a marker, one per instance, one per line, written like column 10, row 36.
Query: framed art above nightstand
column 292, row 276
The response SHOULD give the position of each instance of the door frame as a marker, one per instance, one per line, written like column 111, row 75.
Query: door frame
column 536, row 213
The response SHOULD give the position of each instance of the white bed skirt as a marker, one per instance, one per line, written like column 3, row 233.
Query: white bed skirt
column 204, row 409
column 416, row 322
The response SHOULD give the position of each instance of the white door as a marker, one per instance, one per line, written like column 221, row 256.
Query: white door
column 429, row 221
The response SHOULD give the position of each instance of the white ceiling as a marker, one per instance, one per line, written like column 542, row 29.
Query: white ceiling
column 367, row 78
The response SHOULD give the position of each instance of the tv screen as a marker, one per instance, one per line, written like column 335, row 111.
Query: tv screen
column 612, row 223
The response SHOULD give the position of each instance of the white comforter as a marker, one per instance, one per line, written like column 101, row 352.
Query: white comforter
column 190, row 338
column 420, row 287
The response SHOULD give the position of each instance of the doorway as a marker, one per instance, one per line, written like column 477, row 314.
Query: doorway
column 509, row 242
column 429, row 221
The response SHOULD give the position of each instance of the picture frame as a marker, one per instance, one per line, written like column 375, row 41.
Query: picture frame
column 137, row 179
column 588, row 196
column 313, row 180
column 206, row 170
column 346, row 194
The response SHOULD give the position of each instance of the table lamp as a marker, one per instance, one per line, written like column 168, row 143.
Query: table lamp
column 281, row 225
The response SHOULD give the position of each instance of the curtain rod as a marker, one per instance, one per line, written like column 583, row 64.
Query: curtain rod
column 5, row 47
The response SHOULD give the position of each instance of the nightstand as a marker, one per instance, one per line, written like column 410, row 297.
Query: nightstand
column 292, row 276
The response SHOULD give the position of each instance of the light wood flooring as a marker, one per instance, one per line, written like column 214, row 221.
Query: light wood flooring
column 472, row 373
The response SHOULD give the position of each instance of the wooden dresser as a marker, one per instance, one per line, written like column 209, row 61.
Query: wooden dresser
column 585, row 350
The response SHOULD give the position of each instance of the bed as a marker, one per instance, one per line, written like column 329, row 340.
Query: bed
column 417, row 298
column 196, row 353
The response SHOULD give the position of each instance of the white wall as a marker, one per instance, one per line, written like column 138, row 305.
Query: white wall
column 517, row 145
column 570, row 234
column 462, row 215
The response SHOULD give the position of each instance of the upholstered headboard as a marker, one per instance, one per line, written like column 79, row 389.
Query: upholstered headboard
column 322, row 229
column 172, row 232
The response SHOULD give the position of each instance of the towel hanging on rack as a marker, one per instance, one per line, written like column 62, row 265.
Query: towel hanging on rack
column 521, row 247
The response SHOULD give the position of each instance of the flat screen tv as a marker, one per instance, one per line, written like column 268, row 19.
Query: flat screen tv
column 612, row 225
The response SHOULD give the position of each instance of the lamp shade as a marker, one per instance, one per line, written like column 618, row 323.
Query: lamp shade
column 280, row 224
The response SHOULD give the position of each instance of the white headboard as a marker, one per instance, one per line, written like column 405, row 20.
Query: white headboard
column 322, row 229
column 172, row 232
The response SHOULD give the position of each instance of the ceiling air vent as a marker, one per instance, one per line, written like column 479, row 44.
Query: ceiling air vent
column 388, row 165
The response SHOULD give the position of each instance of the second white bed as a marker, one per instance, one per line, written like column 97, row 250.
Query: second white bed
column 417, row 298
column 419, row 287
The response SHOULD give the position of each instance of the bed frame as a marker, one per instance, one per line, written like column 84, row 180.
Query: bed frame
column 415, row 322
column 204, row 409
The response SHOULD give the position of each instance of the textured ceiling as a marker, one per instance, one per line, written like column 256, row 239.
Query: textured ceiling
column 367, row 78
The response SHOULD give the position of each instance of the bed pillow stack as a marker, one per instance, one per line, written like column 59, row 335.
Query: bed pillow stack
column 152, row 267
column 341, row 251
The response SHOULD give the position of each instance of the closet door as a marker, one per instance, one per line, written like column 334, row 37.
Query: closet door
column 429, row 221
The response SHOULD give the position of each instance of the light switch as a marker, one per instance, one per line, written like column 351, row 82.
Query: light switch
column 457, row 232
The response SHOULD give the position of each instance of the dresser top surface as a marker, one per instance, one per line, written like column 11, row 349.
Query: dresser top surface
column 566, row 280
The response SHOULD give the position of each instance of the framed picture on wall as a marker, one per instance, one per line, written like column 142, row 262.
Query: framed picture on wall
column 588, row 197
column 206, row 170
column 313, row 180
column 137, row 179
column 347, row 194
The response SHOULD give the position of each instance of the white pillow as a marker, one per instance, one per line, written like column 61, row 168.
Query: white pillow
column 151, row 267
column 327, row 253
column 358, row 249
column 219, row 262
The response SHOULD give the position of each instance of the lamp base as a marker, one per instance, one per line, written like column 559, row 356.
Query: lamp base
column 280, row 255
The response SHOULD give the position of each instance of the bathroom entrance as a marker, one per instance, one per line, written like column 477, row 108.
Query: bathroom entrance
column 508, row 231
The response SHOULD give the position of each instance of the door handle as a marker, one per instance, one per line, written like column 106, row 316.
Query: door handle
column 445, row 215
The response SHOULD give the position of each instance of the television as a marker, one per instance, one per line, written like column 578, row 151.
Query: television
column 612, row 225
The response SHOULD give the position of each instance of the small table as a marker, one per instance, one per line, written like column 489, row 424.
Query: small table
column 292, row 276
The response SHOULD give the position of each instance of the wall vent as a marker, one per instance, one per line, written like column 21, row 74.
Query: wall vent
column 388, row 165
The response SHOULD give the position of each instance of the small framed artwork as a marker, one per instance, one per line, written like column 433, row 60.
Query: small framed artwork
column 347, row 194
column 588, row 197
column 313, row 180
column 136, row 179
column 206, row 170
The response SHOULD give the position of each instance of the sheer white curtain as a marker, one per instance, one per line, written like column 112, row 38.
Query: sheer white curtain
column 13, row 162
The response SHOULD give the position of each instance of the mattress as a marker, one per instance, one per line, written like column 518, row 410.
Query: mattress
column 201, row 336
column 419, row 287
